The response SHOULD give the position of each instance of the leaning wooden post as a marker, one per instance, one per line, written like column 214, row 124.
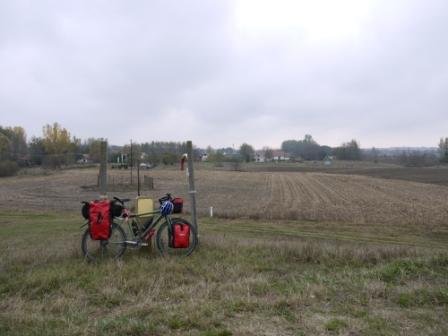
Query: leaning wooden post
column 191, row 189
column 138, row 177
column 103, row 170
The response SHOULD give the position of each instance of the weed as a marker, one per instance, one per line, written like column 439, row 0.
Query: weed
column 216, row 333
column 335, row 325
column 379, row 326
column 400, row 270
column 433, row 297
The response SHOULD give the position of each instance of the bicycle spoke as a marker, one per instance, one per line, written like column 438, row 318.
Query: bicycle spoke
column 114, row 248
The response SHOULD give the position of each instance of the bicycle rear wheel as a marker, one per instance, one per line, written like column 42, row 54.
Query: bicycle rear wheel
column 164, row 239
column 113, row 248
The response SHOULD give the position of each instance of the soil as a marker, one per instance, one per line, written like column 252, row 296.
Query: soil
column 307, row 196
column 433, row 175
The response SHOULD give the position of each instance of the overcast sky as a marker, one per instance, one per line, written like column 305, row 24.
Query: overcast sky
column 225, row 72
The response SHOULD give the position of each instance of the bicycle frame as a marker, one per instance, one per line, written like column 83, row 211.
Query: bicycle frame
column 130, row 218
column 141, row 228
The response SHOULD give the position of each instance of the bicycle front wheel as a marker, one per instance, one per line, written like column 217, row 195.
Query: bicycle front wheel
column 164, row 239
column 113, row 248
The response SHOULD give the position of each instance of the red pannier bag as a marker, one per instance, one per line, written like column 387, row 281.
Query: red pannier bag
column 178, row 204
column 100, row 220
column 181, row 237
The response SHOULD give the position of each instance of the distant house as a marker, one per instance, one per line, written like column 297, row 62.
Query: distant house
column 279, row 155
column 230, row 152
column 259, row 156
column 145, row 165
column 204, row 157
column 85, row 159
column 328, row 160
column 122, row 162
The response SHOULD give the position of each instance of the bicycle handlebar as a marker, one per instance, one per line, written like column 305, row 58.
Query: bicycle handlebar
column 122, row 200
column 167, row 197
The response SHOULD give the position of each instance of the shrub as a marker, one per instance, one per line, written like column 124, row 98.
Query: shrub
column 399, row 270
column 417, row 298
column 8, row 168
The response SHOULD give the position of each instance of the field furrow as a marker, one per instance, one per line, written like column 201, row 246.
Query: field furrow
column 270, row 195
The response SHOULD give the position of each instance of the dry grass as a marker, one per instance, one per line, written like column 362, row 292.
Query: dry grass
column 297, row 254
column 269, row 284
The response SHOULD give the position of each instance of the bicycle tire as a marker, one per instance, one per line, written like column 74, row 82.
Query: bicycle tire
column 162, row 239
column 113, row 248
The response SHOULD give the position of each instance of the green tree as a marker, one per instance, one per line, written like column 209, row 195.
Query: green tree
column 156, row 149
column 19, row 146
column 5, row 145
column 13, row 143
column 443, row 150
column 169, row 158
column 209, row 150
column 309, row 139
column 75, row 149
column 307, row 148
column 348, row 151
column 247, row 152
column 36, row 150
column 95, row 149
column 216, row 156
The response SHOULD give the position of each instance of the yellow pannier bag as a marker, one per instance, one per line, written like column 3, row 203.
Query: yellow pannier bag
column 144, row 205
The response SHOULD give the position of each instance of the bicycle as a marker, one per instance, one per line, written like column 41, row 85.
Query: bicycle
column 141, row 229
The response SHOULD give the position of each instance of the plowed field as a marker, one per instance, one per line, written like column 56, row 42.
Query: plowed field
column 285, row 195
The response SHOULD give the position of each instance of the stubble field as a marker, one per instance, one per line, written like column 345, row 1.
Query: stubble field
column 256, row 195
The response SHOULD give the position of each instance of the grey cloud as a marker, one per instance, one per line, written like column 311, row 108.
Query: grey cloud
column 176, row 70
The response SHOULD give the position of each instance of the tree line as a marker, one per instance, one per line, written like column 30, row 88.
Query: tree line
column 305, row 149
column 57, row 147
column 308, row 149
column 443, row 150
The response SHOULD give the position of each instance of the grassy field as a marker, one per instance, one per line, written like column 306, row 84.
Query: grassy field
column 247, row 278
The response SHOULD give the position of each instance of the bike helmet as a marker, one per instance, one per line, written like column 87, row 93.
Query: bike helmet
column 166, row 208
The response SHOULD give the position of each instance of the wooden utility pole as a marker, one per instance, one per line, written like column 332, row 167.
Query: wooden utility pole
column 138, row 177
column 192, row 190
column 103, row 169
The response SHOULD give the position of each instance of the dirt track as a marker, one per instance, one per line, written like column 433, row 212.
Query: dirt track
column 286, row 195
